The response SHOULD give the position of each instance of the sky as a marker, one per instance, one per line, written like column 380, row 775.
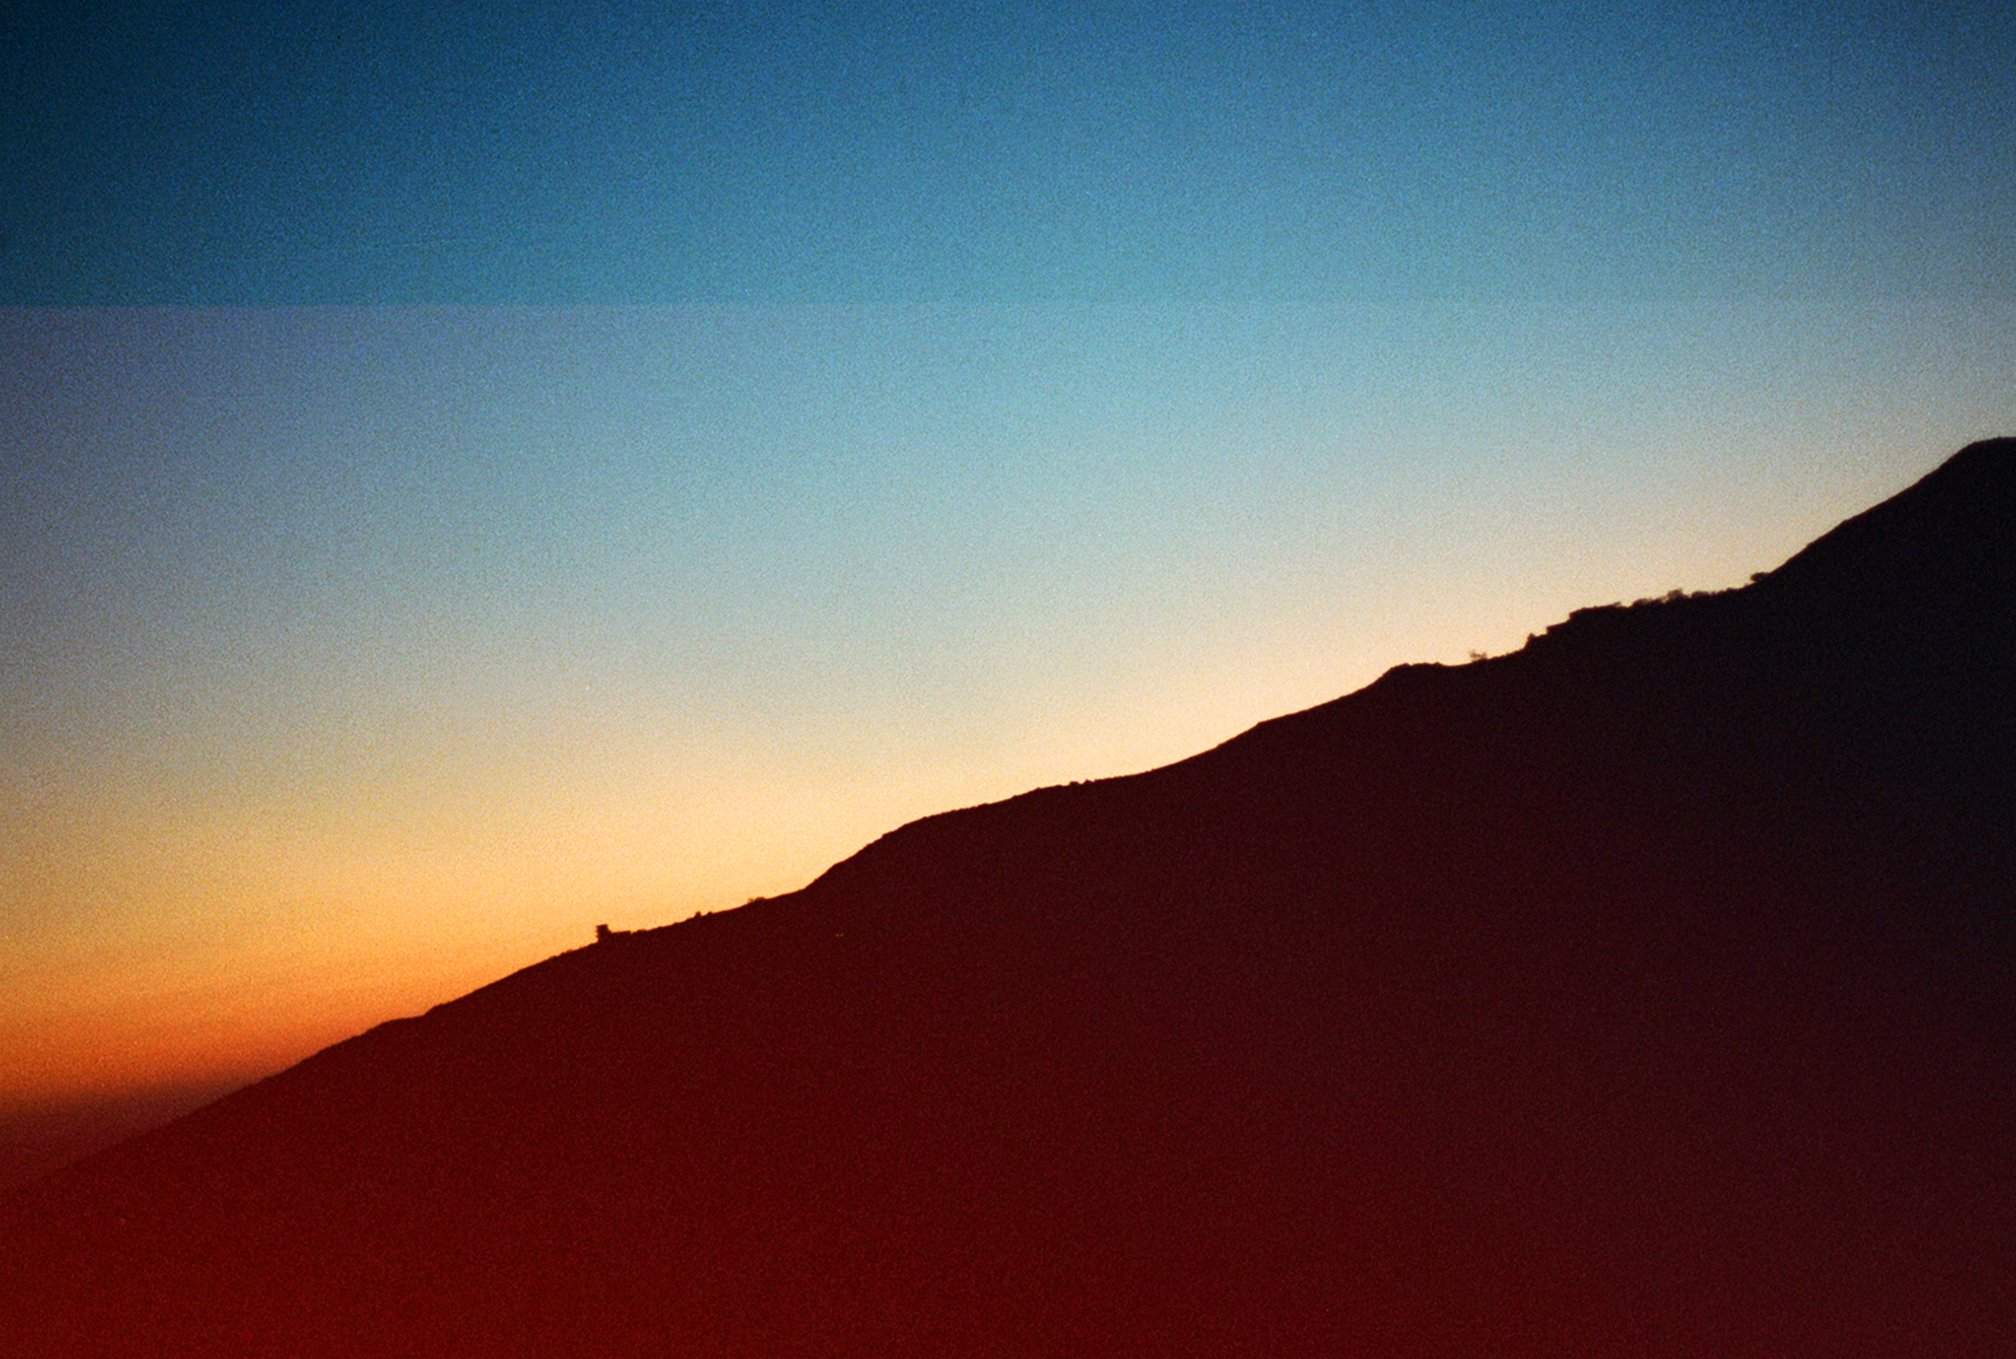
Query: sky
column 468, row 476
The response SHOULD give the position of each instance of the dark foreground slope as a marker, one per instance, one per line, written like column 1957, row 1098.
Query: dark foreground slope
column 1645, row 992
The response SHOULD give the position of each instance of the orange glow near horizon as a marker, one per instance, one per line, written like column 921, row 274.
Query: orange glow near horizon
column 216, row 933
column 211, row 937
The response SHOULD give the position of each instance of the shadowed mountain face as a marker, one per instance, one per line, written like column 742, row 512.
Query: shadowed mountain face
column 1646, row 992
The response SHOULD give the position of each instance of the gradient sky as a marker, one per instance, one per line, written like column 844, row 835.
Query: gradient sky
column 467, row 476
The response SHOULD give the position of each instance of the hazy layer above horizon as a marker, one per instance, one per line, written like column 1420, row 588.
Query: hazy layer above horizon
column 1016, row 400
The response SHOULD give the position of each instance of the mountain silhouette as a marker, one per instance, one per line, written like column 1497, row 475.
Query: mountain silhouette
column 1647, row 991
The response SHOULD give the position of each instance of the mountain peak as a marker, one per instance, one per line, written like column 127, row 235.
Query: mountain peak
column 1946, row 532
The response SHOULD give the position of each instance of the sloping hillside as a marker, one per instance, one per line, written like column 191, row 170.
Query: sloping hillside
column 1647, row 991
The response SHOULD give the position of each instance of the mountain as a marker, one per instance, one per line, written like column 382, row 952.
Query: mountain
column 1647, row 991
column 36, row 1139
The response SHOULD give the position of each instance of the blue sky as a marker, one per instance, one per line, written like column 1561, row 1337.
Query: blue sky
column 911, row 153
